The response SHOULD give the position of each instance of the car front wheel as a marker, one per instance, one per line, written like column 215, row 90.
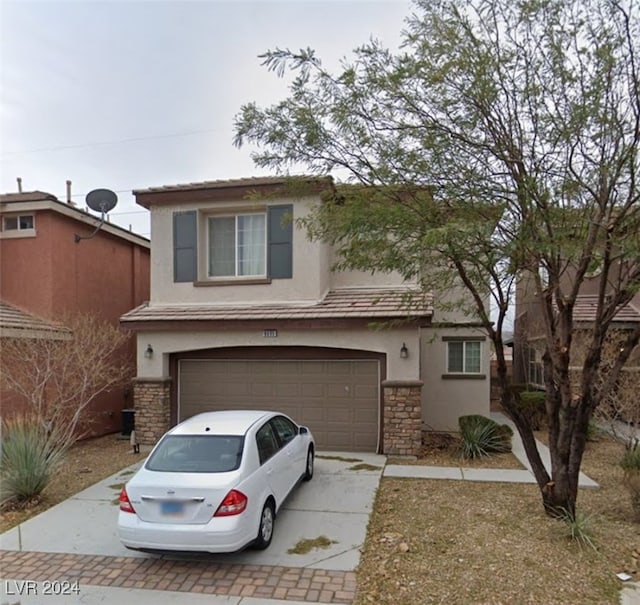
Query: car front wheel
column 265, row 531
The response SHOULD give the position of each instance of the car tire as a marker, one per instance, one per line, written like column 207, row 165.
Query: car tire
column 265, row 530
column 308, row 469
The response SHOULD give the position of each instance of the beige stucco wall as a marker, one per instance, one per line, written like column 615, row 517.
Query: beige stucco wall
column 310, row 262
column 378, row 341
column 362, row 279
column 445, row 400
column 443, row 314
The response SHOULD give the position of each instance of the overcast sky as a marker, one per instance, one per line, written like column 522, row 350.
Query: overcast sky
column 124, row 95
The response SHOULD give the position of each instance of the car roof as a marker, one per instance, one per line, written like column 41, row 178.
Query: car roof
column 227, row 422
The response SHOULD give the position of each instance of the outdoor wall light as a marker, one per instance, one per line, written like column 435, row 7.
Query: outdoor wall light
column 148, row 352
column 404, row 352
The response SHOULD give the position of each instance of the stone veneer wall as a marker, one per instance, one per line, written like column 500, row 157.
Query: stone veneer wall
column 152, row 406
column 402, row 417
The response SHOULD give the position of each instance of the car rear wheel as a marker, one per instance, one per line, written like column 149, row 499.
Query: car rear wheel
column 308, row 472
column 265, row 531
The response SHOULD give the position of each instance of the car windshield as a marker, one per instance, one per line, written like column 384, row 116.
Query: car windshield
column 197, row 454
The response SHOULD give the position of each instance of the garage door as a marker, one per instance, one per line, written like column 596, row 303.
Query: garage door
column 336, row 399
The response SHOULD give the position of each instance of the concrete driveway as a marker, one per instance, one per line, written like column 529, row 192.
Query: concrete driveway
column 335, row 504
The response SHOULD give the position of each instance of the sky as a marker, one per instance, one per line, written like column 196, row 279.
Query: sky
column 128, row 95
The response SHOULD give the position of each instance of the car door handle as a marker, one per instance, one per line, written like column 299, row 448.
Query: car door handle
column 269, row 470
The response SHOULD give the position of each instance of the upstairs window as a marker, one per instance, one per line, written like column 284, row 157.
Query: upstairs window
column 464, row 357
column 246, row 246
column 237, row 246
column 23, row 222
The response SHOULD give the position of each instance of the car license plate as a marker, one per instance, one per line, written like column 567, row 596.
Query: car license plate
column 172, row 508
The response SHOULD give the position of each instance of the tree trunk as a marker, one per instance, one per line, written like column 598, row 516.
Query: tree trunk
column 568, row 418
column 523, row 425
column 568, row 423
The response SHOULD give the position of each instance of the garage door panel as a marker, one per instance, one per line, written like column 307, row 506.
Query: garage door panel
column 312, row 415
column 338, row 391
column 337, row 400
column 364, row 392
column 340, row 417
column 313, row 390
column 262, row 389
column 365, row 369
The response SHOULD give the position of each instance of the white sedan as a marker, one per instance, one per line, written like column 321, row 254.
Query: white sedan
column 215, row 483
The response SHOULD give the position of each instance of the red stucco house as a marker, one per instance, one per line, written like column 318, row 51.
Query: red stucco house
column 47, row 273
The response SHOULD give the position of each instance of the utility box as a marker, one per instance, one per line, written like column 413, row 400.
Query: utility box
column 128, row 421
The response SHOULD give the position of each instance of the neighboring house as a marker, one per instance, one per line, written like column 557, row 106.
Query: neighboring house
column 47, row 274
column 245, row 311
column 529, row 337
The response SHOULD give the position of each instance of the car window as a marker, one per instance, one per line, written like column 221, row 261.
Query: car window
column 266, row 442
column 284, row 428
column 197, row 454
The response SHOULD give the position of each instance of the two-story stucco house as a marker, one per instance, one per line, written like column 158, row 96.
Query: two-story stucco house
column 245, row 312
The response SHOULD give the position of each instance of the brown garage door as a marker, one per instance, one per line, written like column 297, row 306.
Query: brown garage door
column 337, row 400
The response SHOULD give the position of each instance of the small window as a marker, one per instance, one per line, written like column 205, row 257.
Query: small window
column 285, row 429
column 266, row 442
column 23, row 222
column 237, row 246
column 536, row 367
column 464, row 357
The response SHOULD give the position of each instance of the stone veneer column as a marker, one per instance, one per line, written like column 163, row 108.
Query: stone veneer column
column 151, row 401
column 402, row 417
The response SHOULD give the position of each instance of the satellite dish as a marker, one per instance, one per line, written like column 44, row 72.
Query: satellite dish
column 101, row 200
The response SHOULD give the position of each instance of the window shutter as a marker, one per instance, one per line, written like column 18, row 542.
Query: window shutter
column 185, row 241
column 280, row 241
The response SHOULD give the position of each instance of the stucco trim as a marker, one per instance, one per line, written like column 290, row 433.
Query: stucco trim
column 464, row 377
column 232, row 282
column 402, row 383
column 145, row 379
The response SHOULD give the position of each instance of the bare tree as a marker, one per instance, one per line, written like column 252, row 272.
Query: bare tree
column 59, row 378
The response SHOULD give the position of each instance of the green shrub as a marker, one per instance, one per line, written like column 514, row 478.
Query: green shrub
column 482, row 436
column 533, row 406
column 29, row 456
column 631, row 459
column 579, row 528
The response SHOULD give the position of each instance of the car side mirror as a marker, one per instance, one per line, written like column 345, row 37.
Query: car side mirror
column 303, row 430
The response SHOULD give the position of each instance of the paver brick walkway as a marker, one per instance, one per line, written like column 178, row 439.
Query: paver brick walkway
column 268, row 582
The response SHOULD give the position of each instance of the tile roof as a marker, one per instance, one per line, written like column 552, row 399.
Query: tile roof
column 585, row 310
column 27, row 196
column 240, row 182
column 16, row 323
column 348, row 303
